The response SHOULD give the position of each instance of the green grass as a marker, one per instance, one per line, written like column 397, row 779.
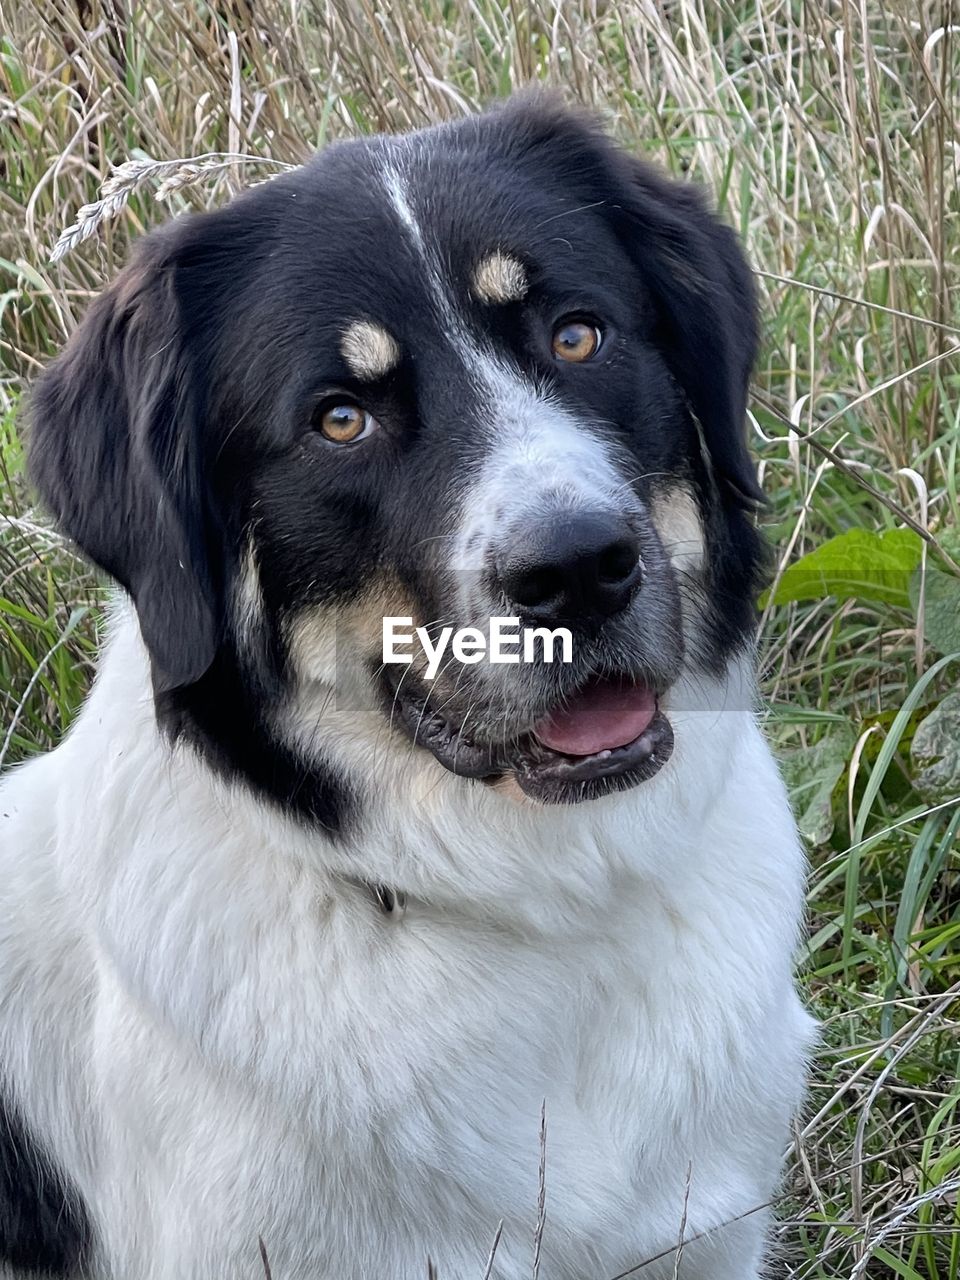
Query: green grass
column 828, row 131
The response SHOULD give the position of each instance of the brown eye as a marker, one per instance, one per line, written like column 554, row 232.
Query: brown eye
column 344, row 423
column 575, row 341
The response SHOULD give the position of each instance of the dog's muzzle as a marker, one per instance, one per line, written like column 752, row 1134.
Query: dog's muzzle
column 564, row 733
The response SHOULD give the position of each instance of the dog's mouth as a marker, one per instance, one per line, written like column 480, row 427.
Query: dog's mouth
column 609, row 736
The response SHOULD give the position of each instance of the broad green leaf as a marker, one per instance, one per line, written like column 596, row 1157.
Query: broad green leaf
column 941, row 609
column 811, row 773
column 935, row 751
column 859, row 565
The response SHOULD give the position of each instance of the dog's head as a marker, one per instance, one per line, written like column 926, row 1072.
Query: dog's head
column 496, row 368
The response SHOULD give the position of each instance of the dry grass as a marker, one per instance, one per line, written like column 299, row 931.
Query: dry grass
column 829, row 131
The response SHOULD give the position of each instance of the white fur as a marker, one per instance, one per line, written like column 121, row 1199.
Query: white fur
column 539, row 459
column 219, row 1036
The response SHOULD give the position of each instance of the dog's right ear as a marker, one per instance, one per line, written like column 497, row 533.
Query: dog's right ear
column 116, row 453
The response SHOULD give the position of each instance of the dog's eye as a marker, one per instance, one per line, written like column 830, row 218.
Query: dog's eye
column 345, row 423
column 576, row 341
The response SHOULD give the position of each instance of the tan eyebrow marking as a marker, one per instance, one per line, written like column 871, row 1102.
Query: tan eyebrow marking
column 498, row 278
column 369, row 349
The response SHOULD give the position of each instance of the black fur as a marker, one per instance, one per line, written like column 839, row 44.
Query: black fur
column 119, row 457
column 180, row 422
column 218, row 715
column 43, row 1226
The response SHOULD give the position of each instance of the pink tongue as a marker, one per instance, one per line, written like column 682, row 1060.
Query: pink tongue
column 601, row 717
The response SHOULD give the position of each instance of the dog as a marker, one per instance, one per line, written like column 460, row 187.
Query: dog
column 304, row 954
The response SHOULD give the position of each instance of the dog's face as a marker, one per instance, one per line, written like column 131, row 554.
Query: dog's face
column 493, row 369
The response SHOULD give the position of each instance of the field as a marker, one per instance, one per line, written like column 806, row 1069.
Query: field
column 829, row 134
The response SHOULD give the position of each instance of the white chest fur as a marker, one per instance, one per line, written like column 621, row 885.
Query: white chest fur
column 259, row 1051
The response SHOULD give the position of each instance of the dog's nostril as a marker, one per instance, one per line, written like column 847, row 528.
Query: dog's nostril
column 534, row 587
column 617, row 562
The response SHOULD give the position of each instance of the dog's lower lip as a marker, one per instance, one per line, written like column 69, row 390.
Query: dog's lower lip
column 557, row 778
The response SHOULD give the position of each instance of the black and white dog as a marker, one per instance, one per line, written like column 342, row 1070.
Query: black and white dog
column 294, row 943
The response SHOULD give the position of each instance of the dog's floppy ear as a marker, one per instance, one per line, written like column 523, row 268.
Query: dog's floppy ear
column 116, row 455
column 703, row 292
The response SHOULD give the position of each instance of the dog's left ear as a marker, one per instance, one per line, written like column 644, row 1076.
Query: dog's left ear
column 116, row 453
column 706, row 306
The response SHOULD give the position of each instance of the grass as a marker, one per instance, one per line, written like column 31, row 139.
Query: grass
column 829, row 132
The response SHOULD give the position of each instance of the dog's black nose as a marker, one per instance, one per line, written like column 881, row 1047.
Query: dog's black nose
column 577, row 566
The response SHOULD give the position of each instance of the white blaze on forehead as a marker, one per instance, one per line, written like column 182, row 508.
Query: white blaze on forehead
column 498, row 278
column 396, row 191
column 537, row 456
column 369, row 350
column 676, row 518
column 434, row 276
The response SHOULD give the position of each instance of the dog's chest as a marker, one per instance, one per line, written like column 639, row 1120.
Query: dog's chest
column 405, row 1078
column 368, row 1087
